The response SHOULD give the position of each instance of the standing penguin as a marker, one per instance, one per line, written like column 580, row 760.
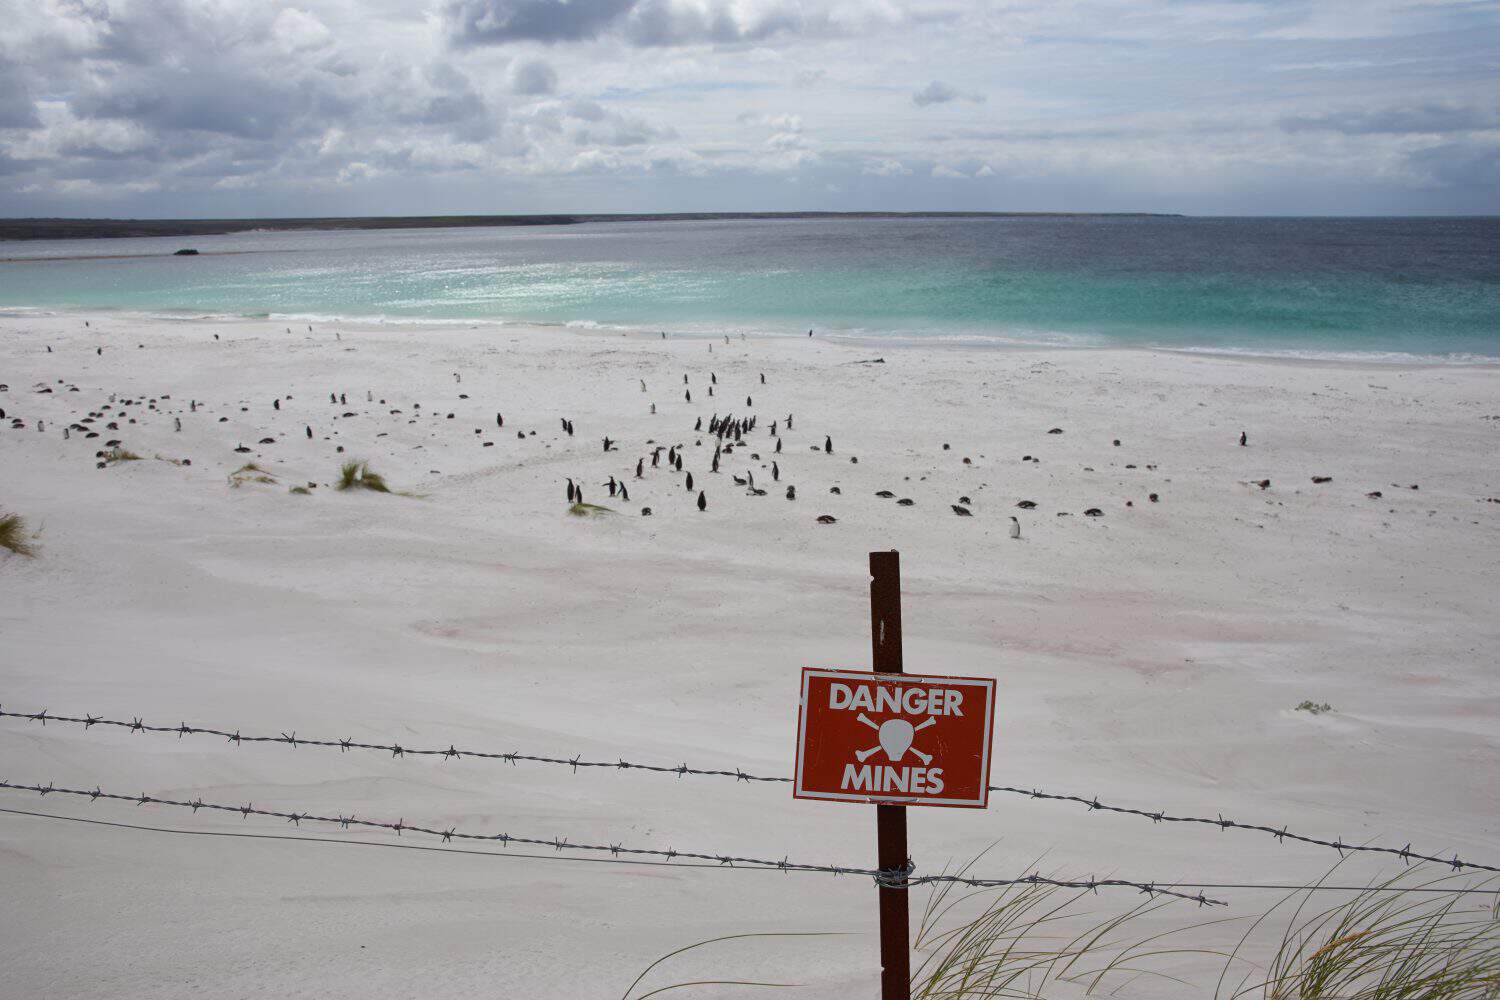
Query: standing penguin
column 778, row 446
column 762, row 378
column 308, row 428
column 827, row 445
column 690, row 482
column 748, row 402
column 177, row 423
column 702, row 501
column 775, row 473
column 499, row 420
column 275, row 404
column 639, row 467
column 624, row 495
column 570, row 489
column 1243, row 439
column 1015, row 528
column 689, row 395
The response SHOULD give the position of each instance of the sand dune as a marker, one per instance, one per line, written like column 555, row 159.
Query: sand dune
column 1152, row 655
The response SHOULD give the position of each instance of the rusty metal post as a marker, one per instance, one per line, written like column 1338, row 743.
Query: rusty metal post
column 890, row 821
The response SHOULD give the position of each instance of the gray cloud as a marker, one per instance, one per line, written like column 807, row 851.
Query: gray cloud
column 639, row 22
column 938, row 92
column 533, row 76
column 489, row 22
column 1427, row 119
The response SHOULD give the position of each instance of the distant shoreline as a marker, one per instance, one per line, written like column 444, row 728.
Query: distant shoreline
column 85, row 229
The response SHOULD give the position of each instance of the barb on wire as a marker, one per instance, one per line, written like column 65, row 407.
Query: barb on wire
column 1093, row 804
column 900, row 878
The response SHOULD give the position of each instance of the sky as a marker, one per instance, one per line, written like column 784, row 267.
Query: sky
column 234, row 108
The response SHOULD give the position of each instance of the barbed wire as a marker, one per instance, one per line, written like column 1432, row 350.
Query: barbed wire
column 897, row 878
column 292, row 740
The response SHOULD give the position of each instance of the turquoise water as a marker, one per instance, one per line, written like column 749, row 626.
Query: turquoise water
column 1394, row 288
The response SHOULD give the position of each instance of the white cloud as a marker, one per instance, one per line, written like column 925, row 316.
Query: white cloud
column 948, row 173
column 886, row 168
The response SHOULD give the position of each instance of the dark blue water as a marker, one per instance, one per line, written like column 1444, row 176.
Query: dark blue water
column 1397, row 288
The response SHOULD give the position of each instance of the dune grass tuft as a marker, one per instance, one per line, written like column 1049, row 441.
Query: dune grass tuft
column 13, row 535
column 251, row 473
column 1394, row 940
column 301, row 491
column 589, row 510
column 120, row 455
column 357, row 476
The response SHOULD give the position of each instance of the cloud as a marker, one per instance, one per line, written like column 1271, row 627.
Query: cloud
column 948, row 173
column 491, row 22
column 1426, row 119
column 533, row 76
column 646, row 23
column 985, row 171
column 938, row 92
column 299, row 31
column 886, row 168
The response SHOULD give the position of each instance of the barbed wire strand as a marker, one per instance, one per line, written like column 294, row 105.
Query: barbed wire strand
column 1282, row 834
column 901, row 878
column 520, row 856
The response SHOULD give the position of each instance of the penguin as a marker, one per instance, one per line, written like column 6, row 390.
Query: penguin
column 672, row 456
column 699, row 425
column 624, row 495
column 827, row 444
column 1243, row 439
column 713, row 378
column 607, row 443
column 564, row 424
column 750, row 478
column 702, row 501
column 308, row 428
column 791, row 492
column 570, row 489
column 684, row 378
column 643, row 385
column 332, row 398
column 690, row 482
column 578, row 495
column 1015, row 528
column 788, row 421
column 99, row 351
column 748, row 402
column 343, row 399
column 177, row 424
column 778, row 446
column 639, row 467
column 762, row 378
column 612, row 486
column 275, row 404
column 570, row 428
column 655, row 457
column 679, row 463
column 499, row 420
column 715, row 467
column 710, row 390
column 775, row 473
column 689, row 395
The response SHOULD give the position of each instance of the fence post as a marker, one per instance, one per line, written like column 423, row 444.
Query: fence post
column 890, row 820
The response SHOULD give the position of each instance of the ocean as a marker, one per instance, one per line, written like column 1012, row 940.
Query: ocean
column 1378, row 289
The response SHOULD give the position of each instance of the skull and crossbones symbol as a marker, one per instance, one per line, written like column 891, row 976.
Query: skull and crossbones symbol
column 895, row 739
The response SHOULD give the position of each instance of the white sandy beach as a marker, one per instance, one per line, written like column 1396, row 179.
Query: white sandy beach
column 1152, row 656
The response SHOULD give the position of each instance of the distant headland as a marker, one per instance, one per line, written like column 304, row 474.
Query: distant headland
column 64, row 229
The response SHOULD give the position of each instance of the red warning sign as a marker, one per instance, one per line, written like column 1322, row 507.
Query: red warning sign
column 894, row 738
